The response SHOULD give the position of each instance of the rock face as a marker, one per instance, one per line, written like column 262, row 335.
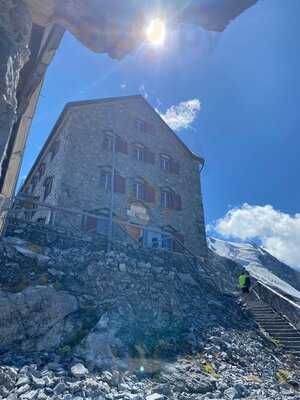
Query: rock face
column 36, row 318
column 15, row 29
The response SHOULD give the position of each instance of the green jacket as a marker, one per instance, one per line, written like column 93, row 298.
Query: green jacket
column 243, row 280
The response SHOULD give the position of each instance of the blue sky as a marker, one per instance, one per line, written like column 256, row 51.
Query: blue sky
column 247, row 81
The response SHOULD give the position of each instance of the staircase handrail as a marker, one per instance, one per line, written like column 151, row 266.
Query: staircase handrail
column 277, row 294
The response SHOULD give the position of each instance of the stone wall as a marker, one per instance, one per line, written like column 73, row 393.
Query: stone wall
column 85, row 157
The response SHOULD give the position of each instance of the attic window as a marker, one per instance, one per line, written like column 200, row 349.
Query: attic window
column 143, row 126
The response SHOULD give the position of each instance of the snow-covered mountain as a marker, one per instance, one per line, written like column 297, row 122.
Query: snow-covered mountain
column 261, row 264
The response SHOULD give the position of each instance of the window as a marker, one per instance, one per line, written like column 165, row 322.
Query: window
column 48, row 183
column 165, row 162
column 34, row 182
column 142, row 153
column 106, row 181
column 139, row 152
column 170, row 200
column 168, row 164
column 166, row 199
column 54, row 149
column 143, row 126
column 139, row 190
column 143, row 191
column 107, row 142
column 41, row 171
column 121, row 145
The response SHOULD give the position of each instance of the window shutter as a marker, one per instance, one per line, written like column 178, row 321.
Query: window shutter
column 179, row 239
column 149, row 157
column 121, row 145
column 174, row 167
column 149, row 194
column 176, row 202
column 91, row 224
column 119, row 184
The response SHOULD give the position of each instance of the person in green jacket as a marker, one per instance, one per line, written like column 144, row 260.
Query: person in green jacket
column 244, row 282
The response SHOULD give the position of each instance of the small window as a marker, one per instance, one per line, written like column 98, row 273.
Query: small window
column 139, row 152
column 143, row 191
column 121, row 145
column 48, row 186
column 143, row 126
column 41, row 171
column 107, row 142
column 165, row 162
column 171, row 200
column 54, row 149
column 139, row 190
column 166, row 199
column 34, row 182
column 106, row 181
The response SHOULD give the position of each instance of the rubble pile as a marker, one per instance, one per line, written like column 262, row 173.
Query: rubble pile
column 229, row 365
column 81, row 323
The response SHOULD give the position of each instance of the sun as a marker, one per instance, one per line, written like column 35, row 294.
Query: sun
column 156, row 32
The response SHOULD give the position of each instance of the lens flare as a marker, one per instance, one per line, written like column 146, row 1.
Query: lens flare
column 156, row 32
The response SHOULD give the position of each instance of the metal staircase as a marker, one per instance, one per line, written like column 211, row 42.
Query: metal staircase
column 276, row 326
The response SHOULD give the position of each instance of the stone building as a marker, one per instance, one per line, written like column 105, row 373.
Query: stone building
column 156, row 196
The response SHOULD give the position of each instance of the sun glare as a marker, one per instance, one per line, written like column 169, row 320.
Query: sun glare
column 156, row 32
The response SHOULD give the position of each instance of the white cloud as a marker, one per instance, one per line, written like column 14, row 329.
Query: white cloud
column 181, row 116
column 278, row 232
column 123, row 85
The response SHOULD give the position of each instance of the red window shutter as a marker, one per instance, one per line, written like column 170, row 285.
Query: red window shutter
column 119, row 184
column 149, row 157
column 176, row 202
column 121, row 145
column 91, row 224
column 149, row 194
column 174, row 167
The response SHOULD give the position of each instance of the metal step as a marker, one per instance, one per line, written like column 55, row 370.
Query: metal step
column 273, row 325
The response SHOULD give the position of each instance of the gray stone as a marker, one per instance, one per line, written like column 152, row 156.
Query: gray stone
column 60, row 388
column 23, row 389
column 231, row 393
column 29, row 395
column 38, row 382
column 23, row 380
column 79, row 370
column 155, row 396
column 122, row 267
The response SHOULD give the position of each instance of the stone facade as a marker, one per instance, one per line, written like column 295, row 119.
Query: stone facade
column 156, row 182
